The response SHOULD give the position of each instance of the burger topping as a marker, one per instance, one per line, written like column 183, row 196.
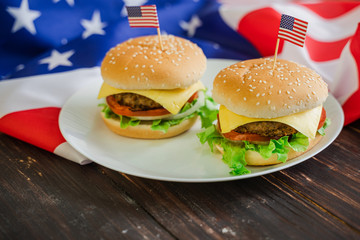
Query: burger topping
column 267, row 129
column 264, row 131
column 305, row 122
column 136, row 102
column 140, row 107
column 172, row 99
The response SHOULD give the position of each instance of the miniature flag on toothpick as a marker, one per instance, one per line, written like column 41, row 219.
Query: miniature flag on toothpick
column 144, row 16
column 291, row 29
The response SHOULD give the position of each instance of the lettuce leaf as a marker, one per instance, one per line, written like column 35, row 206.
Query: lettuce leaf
column 208, row 112
column 234, row 153
column 327, row 122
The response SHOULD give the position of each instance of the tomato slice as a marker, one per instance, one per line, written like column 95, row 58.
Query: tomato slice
column 126, row 111
column 235, row 136
column 322, row 118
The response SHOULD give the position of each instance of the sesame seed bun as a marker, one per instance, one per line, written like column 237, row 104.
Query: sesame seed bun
column 144, row 131
column 140, row 63
column 253, row 89
column 253, row 158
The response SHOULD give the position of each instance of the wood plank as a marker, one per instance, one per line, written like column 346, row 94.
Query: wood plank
column 331, row 176
column 44, row 196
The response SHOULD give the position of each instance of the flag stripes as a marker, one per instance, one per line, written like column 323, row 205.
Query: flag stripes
column 292, row 30
column 143, row 16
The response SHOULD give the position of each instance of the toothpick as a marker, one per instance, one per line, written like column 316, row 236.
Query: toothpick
column 276, row 51
column 159, row 34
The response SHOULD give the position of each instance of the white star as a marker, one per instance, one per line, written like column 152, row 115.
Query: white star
column 24, row 17
column 131, row 3
column 191, row 26
column 94, row 26
column 70, row 2
column 58, row 59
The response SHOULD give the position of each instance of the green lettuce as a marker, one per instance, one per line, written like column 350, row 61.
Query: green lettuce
column 208, row 114
column 234, row 153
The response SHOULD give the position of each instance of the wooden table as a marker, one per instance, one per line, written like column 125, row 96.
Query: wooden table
column 43, row 196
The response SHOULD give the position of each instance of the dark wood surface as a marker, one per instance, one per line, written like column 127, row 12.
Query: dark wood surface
column 43, row 196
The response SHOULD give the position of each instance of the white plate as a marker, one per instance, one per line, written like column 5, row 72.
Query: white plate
column 180, row 159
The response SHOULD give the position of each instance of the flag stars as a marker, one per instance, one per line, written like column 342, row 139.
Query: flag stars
column 57, row 59
column 93, row 26
column 191, row 26
column 24, row 17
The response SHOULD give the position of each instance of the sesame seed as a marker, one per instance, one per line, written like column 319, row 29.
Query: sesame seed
column 244, row 98
column 251, row 90
column 258, row 103
column 268, row 102
column 224, row 81
column 271, row 86
column 126, row 68
column 291, row 97
column 257, row 95
column 132, row 76
column 238, row 90
column 288, row 92
column 279, row 91
column 137, row 65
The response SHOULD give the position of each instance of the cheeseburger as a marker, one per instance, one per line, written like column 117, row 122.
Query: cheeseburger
column 153, row 93
column 267, row 114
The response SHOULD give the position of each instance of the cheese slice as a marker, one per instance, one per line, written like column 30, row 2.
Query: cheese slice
column 172, row 100
column 305, row 122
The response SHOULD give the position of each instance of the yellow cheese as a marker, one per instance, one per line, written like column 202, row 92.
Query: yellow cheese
column 172, row 100
column 305, row 122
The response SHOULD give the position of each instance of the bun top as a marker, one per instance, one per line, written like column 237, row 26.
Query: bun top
column 140, row 63
column 253, row 89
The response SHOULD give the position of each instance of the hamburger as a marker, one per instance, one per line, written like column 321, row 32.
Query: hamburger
column 267, row 114
column 153, row 93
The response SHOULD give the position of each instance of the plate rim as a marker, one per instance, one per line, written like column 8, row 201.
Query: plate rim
column 278, row 167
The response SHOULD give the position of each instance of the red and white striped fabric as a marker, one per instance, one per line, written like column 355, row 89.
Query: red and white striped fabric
column 33, row 105
column 332, row 45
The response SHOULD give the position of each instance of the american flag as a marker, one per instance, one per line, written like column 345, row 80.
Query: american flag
column 45, row 57
column 143, row 16
column 292, row 30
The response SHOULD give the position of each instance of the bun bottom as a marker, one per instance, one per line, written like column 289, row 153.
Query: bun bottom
column 255, row 159
column 144, row 131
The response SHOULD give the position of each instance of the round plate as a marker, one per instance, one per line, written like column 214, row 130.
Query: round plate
column 181, row 158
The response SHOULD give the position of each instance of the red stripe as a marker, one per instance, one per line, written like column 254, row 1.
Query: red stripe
column 292, row 41
column 325, row 51
column 38, row 127
column 331, row 9
column 263, row 38
column 282, row 34
column 351, row 106
column 299, row 20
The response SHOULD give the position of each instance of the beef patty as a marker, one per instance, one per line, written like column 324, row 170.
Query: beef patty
column 267, row 129
column 136, row 102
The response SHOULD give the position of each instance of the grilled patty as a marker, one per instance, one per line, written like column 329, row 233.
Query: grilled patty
column 267, row 129
column 136, row 102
